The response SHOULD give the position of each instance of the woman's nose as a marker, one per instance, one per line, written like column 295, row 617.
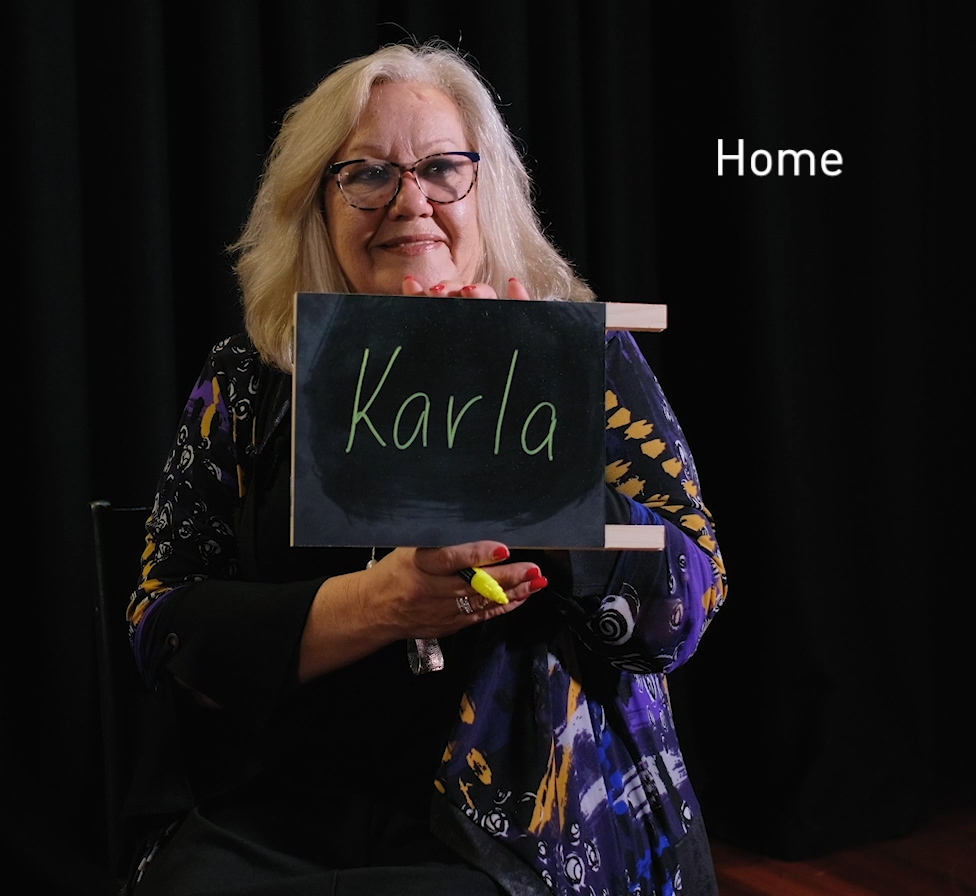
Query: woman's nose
column 410, row 201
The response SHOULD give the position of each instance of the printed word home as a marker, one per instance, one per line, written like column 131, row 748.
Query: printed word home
column 795, row 162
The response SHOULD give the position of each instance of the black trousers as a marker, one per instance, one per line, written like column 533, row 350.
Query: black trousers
column 201, row 858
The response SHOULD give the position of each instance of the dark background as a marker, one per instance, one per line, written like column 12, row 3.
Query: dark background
column 810, row 339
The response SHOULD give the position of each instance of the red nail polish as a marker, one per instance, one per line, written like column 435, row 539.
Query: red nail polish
column 501, row 553
column 533, row 573
column 438, row 288
column 539, row 583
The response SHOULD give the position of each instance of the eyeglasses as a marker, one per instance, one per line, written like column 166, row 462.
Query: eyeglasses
column 369, row 184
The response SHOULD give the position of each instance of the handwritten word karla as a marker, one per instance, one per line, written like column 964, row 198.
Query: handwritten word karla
column 415, row 410
column 761, row 161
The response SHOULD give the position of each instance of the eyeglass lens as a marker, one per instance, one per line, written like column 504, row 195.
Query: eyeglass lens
column 372, row 183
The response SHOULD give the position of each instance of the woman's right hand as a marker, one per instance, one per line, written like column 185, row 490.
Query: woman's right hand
column 409, row 593
column 451, row 289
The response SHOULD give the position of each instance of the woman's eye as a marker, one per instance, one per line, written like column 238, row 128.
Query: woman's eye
column 438, row 169
column 368, row 176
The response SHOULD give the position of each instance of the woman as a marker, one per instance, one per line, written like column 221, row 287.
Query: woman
column 541, row 758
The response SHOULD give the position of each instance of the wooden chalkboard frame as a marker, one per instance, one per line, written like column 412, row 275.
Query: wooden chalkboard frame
column 613, row 316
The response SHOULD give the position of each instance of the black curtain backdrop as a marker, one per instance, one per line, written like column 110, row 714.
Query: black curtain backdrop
column 808, row 338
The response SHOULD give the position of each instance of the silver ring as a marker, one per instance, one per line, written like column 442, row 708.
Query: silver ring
column 464, row 605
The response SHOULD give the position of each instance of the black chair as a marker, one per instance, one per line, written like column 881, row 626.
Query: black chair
column 119, row 540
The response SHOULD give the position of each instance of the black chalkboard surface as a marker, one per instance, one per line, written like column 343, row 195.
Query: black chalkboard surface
column 426, row 422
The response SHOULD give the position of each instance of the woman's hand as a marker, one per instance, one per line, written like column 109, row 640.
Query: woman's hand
column 409, row 593
column 413, row 287
column 417, row 592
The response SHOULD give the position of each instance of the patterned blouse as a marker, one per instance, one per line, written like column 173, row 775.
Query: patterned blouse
column 563, row 765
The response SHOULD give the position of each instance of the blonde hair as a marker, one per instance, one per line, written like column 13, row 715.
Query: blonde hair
column 285, row 247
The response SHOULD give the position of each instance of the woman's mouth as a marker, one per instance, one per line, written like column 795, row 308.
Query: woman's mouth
column 412, row 245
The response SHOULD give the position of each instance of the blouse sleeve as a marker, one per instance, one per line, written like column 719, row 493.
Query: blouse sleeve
column 645, row 611
column 235, row 642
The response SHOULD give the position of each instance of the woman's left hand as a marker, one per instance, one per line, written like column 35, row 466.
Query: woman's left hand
column 456, row 289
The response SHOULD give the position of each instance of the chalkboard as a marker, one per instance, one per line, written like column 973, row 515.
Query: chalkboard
column 423, row 422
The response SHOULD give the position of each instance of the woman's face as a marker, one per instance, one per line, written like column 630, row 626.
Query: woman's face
column 404, row 122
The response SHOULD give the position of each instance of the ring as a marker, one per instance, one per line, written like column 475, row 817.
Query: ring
column 464, row 605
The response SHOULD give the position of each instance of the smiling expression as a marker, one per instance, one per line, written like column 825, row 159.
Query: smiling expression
column 403, row 122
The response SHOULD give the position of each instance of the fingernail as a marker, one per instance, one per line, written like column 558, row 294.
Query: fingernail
column 410, row 277
column 539, row 583
column 438, row 288
column 501, row 553
column 533, row 573
column 468, row 288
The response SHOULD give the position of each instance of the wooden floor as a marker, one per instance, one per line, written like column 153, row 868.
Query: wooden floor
column 937, row 860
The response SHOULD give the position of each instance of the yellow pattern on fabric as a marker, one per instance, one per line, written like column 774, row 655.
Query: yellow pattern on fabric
column 207, row 420
column 691, row 520
column 467, row 710
column 640, row 429
column 617, row 470
column 553, row 791
column 479, row 765
column 148, row 592
column 673, row 466
column 632, row 487
column 545, row 798
column 136, row 613
column 708, row 543
column 136, row 610
column 657, row 501
column 710, row 600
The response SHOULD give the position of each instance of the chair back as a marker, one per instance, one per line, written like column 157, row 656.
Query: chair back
column 119, row 541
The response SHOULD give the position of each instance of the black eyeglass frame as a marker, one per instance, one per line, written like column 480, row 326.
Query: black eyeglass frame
column 474, row 157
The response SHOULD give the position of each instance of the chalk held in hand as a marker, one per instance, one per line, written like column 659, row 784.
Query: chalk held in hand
column 484, row 584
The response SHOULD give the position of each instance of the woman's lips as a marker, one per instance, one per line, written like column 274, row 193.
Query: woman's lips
column 412, row 245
